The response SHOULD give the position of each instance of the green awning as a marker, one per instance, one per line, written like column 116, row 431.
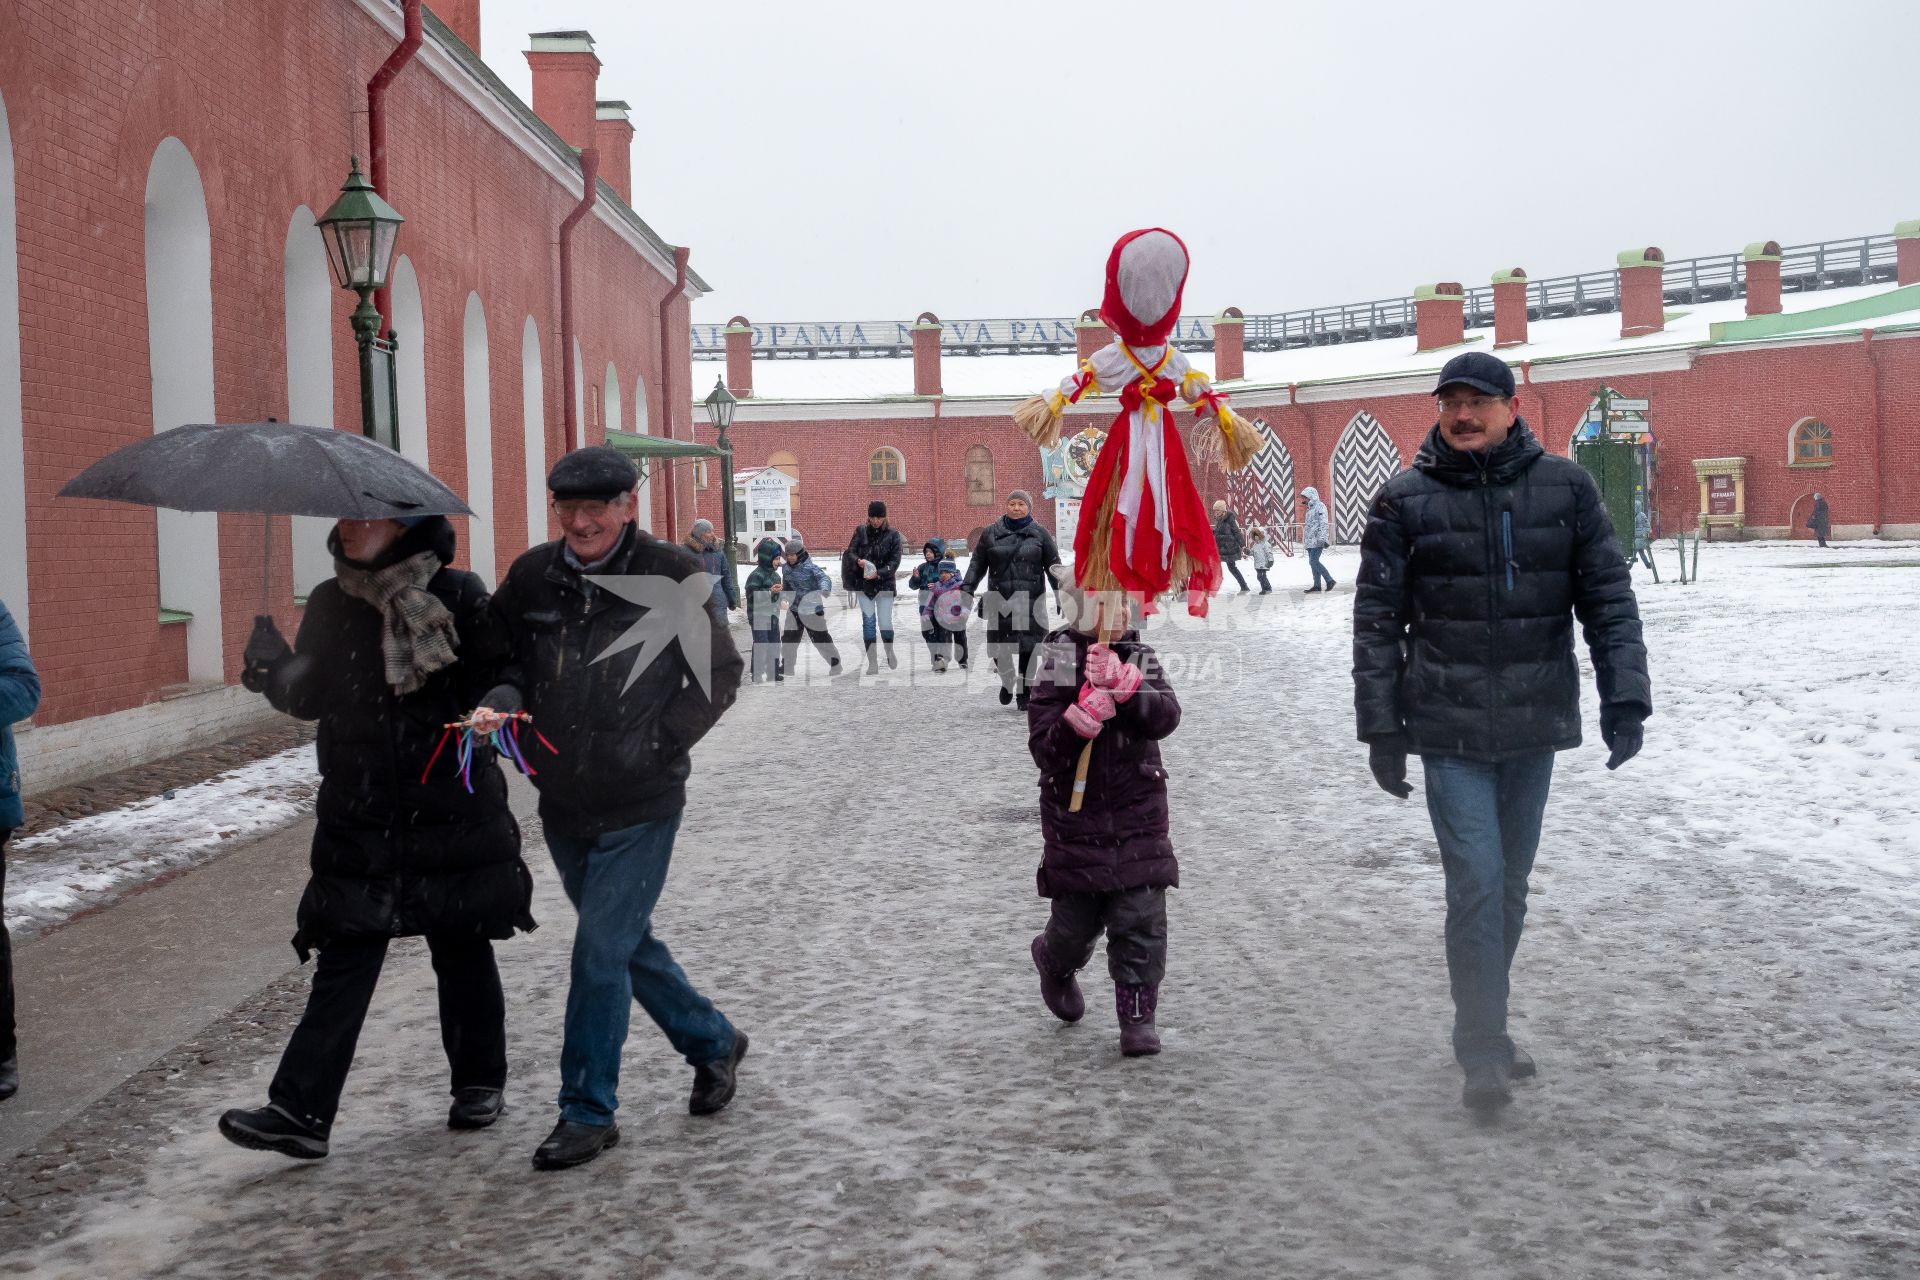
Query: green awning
column 637, row 446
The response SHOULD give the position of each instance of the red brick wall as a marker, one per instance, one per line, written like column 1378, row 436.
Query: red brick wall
column 269, row 100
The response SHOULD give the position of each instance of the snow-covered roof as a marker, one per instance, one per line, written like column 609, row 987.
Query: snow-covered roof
column 1552, row 339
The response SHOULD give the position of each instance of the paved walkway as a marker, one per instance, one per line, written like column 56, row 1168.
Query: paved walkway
column 1727, row 1054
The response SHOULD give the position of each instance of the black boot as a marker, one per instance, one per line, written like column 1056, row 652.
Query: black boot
column 713, row 1082
column 1486, row 1088
column 1523, row 1066
column 1006, row 695
column 9, row 1077
column 475, row 1108
column 271, row 1129
column 570, row 1144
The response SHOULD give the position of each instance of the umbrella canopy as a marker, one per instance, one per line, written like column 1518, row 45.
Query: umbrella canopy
column 267, row 467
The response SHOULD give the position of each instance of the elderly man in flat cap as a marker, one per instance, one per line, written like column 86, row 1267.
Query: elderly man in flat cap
column 612, row 793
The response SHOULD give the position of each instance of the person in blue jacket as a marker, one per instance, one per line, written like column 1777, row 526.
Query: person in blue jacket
column 19, row 695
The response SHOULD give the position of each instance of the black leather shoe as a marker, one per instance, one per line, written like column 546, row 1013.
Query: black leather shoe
column 1486, row 1088
column 570, row 1144
column 1523, row 1068
column 9, row 1077
column 713, row 1081
column 475, row 1107
column 271, row 1129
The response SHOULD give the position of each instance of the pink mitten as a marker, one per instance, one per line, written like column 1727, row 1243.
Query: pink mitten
column 1103, row 666
column 1125, row 683
column 1097, row 703
column 1083, row 724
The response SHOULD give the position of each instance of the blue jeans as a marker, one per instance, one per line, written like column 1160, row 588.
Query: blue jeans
column 1487, row 820
column 876, row 608
column 613, row 881
column 1319, row 570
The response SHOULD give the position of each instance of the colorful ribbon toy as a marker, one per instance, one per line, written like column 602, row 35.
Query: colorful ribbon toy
column 505, row 740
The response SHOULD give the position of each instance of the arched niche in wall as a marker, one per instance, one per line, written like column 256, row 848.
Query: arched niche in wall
column 476, row 376
column 179, row 278
column 410, row 362
column 1363, row 461
column 533, row 424
column 13, row 461
column 1262, row 492
column 641, row 427
column 308, row 296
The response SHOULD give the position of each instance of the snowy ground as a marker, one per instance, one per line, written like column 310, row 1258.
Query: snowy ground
column 1718, row 984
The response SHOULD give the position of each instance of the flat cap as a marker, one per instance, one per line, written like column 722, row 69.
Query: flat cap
column 596, row 472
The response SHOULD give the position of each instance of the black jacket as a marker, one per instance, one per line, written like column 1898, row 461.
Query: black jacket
column 1819, row 519
column 621, row 734
column 394, row 854
column 1013, row 560
column 882, row 546
column 1226, row 537
column 1472, row 570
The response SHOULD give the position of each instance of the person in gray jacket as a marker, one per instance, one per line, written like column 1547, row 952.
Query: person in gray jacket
column 1314, row 537
column 19, row 695
column 713, row 558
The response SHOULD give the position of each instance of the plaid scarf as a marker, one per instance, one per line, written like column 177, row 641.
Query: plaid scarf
column 417, row 635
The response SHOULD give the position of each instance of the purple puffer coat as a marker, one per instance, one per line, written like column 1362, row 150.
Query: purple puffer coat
column 1119, row 838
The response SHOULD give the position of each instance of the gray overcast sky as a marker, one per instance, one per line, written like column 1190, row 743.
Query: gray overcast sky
column 839, row 160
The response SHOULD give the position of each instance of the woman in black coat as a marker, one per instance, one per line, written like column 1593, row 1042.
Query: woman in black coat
column 1016, row 558
column 392, row 648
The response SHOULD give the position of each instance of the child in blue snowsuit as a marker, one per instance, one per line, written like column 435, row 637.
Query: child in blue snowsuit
column 763, row 610
column 922, row 579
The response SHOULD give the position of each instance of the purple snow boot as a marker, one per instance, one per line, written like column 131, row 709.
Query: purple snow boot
column 1059, row 990
column 1135, row 1004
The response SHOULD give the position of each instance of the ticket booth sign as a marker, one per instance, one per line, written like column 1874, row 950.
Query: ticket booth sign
column 1723, row 494
column 1721, row 498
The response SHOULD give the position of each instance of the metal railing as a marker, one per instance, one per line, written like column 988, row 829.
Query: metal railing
column 1826, row 264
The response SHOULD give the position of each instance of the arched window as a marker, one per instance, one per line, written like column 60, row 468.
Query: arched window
column 616, row 418
column 477, row 383
column 309, row 315
column 885, row 467
column 979, row 471
column 410, row 362
column 1810, row 444
column 781, row 460
column 533, row 425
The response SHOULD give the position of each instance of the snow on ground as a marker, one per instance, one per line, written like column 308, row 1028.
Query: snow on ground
column 1717, row 981
column 77, row 864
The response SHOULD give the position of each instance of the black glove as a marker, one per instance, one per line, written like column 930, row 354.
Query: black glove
column 1621, row 729
column 1388, row 760
column 266, row 649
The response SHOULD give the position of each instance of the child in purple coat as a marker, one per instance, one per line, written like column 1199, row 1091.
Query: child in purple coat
column 1109, row 866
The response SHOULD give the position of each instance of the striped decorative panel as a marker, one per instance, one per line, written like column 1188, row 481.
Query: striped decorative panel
column 1262, row 494
column 1363, row 461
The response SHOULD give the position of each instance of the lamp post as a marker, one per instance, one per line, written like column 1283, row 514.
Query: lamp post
column 360, row 230
column 720, row 404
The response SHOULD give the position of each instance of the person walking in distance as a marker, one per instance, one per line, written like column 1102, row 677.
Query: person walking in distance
column 806, row 586
column 1474, row 566
column 765, row 587
column 1261, row 550
column 1313, row 536
column 623, row 719
column 19, row 695
column 1226, row 537
column 1016, row 558
column 868, row 569
column 1821, row 519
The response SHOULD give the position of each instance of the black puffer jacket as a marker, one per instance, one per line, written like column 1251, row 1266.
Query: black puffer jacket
column 622, row 735
column 1472, row 570
column 1013, row 560
column 1226, row 537
column 394, row 855
column 882, row 547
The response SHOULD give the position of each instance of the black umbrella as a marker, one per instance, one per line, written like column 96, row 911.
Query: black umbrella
column 275, row 468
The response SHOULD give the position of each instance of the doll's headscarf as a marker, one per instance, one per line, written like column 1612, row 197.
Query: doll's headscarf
column 1145, row 274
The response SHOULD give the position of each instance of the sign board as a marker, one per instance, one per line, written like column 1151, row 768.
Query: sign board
column 1622, row 405
column 1721, row 496
column 1066, row 521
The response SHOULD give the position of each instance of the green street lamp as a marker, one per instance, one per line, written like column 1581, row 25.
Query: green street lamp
column 359, row 231
column 720, row 404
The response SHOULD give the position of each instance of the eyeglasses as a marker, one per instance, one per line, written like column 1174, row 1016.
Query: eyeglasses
column 591, row 508
column 1472, row 404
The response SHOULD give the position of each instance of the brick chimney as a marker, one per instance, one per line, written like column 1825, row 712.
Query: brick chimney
column 1090, row 334
column 1762, row 259
column 739, row 336
column 613, row 135
column 566, row 74
column 462, row 18
column 926, row 355
column 1643, row 308
column 1906, row 239
column 1439, row 316
column 1510, row 308
column 1229, row 345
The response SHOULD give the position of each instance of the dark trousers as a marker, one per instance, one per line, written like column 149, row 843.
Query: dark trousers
column 473, row 1021
column 1233, row 567
column 765, row 664
column 814, row 626
column 942, row 643
column 1261, row 576
column 1012, row 652
column 1135, row 921
column 9, row 1047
